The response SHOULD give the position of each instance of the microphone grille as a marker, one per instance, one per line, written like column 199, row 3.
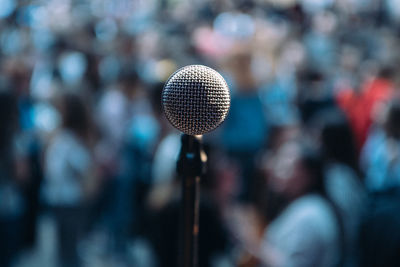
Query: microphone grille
column 196, row 99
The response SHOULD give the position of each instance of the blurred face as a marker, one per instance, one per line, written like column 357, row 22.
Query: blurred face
column 287, row 174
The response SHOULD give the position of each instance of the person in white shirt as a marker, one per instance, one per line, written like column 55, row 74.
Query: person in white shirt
column 68, row 165
column 306, row 232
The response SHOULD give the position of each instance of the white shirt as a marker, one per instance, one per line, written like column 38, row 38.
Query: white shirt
column 305, row 234
column 67, row 162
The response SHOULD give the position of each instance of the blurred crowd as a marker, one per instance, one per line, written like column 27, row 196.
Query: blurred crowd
column 305, row 171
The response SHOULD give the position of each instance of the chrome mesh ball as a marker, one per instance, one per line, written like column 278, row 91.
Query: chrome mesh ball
column 196, row 99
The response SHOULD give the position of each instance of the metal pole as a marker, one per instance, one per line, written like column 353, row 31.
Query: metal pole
column 190, row 168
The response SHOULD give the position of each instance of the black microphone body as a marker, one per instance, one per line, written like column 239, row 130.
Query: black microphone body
column 190, row 166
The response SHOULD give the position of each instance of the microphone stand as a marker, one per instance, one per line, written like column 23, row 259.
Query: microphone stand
column 190, row 167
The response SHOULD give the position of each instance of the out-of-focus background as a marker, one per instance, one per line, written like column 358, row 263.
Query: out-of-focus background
column 305, row 171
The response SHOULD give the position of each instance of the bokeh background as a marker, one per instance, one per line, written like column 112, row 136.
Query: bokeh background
column 304, row 171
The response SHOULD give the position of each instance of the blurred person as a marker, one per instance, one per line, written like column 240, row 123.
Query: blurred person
column 314, row 93
column 134, row 176
column 349, row 72
column 380, row 238
column 69, row 177
column 129, row 136
column 30, row 149
column 279, row 92
column 248, row 222
column 306, row 231
column 381, row 153
column 113, row 115
column 320, row 43
column 361, row 104
column 342, row 177
column 27, row 146
column 12, row 178
column 245, row 130
column 114, row 111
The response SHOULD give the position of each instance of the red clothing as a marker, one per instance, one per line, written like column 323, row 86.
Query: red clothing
column 359, row 106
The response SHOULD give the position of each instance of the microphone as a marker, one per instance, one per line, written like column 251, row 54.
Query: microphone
column 195, row 100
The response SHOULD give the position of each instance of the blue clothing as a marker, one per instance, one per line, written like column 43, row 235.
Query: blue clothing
column 245, row 128
column 278, row 99
column 381, row 162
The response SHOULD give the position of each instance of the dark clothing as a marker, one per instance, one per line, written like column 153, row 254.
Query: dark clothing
column 380, row 235
column 163, row 233
column 11, row 236
column 70, row 223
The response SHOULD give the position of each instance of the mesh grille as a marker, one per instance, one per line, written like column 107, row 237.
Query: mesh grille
column 196, row 99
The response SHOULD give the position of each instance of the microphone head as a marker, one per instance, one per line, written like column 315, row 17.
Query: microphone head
column 196, row 99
